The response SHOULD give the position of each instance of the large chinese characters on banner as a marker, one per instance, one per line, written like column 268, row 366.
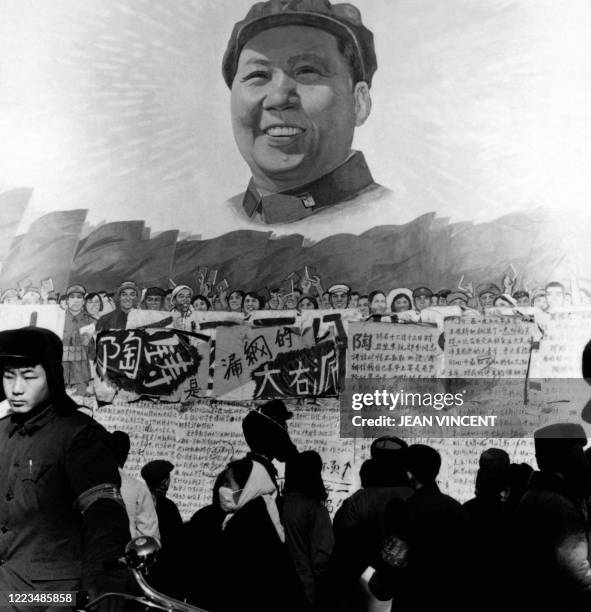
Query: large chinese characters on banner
column 276, row 361
column 160, row 363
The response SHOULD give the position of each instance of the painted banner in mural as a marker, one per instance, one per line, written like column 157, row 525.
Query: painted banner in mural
column 49, row 316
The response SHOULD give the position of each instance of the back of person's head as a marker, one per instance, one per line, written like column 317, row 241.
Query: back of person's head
column 519, row 475
column 493, row 474
column 156, row 472
column 121, row 445
column 555, row 443
column 367, row 473
column 240, row 469
column 424, row 463
column 303, row 474
column 559, row 449
column 265, row 432
column 389, row 454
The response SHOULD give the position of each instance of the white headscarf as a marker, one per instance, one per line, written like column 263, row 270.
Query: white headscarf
column 259, row 484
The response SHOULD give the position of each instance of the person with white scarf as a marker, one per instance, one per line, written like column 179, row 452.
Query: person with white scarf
column 260, row 572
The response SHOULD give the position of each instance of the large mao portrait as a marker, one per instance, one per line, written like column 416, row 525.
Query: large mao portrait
column 378, row 144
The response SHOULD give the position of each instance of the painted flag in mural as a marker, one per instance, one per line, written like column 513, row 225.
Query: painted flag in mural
column 45, row 251
column 161, row 363
column 122, row 251
column 236, row 256
column 12, row 206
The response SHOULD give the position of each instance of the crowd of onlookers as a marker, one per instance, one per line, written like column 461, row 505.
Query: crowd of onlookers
column 521, row 543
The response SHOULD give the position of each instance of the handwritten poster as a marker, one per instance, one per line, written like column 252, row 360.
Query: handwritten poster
column 556, row 375
column 382, row 350
column 201, row 440
column 559, row 355
column 490, row 347
column 267, row 362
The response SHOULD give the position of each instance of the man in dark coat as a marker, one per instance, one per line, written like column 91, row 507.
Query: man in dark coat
column 435, row 574
column 266, row 434
column 166, row 576
column 63, row 524
column 551, row 525
column 308, row 530
column 203, row 567
column 359, row 526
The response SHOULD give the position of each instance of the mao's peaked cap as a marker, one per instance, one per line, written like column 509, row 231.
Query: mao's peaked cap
column 341, row 20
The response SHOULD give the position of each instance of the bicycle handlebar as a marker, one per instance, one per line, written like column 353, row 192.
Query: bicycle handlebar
column 140, row 553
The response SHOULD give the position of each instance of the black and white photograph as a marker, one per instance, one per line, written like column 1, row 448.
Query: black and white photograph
column 295, row 305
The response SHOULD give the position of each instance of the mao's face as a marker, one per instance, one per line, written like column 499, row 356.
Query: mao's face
column 523, row 301
column 293, row 106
